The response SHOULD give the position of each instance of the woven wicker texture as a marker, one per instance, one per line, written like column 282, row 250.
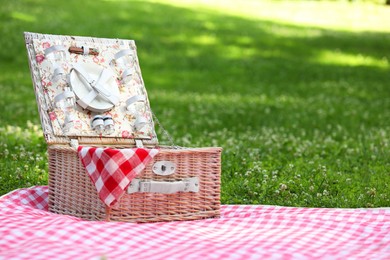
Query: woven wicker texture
column 72, row 192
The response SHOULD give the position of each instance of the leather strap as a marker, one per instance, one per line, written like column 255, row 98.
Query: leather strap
column 55, row 48
column 126, row 73
column 64, row 95
column 87, row 99
column 58, row 71
column 68, row 123
column 69, row 118
column 85, row 50
column 122, row 53
column 164, row 187
column 140, row 122
column 136, row 98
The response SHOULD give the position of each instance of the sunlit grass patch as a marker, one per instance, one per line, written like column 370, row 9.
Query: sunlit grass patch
column 331, row 14
column 23, row 158
column 340, row 58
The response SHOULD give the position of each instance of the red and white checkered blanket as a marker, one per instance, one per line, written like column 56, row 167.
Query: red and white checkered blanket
column 112, row 170
column 29, row 231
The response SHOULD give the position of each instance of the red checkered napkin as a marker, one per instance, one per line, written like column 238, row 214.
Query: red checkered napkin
column 111, row 170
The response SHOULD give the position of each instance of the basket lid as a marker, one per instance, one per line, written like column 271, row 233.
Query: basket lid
column 90, row 89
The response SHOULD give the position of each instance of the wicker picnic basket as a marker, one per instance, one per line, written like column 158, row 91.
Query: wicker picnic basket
column 178, row 184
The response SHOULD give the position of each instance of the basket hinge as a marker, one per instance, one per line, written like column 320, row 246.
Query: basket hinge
column 138, row 143
column 74, row 143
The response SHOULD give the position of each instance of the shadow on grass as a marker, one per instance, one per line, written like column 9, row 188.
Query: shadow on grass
column 187, row 52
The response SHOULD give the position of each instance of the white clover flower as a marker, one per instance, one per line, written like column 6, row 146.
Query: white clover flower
column 282, row 187
column 371, row 192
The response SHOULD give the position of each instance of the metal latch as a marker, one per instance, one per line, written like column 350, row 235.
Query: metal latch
column 164, row 168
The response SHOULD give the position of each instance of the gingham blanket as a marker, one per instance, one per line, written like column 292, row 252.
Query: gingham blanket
column 29, row 231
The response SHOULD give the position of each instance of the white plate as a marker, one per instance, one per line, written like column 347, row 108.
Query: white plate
column 81, row 87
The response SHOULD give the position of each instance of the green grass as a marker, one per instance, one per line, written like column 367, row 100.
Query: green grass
column 296, row 92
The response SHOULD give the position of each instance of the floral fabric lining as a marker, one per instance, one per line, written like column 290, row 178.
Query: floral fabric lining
column 124, row 120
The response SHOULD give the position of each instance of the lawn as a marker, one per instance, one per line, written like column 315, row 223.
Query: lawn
column 296, row 92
